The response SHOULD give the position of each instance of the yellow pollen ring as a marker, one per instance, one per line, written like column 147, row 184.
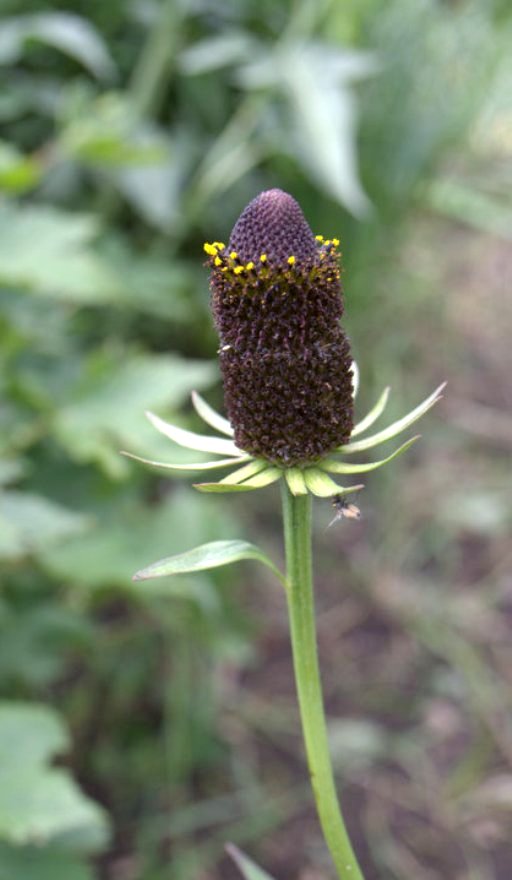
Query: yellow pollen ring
column 250, row 266
column 218, row 261
column 263, row 258
column 233, row 255
column 319, row 238
column 210, row 249
column 291, row 261
column 335, row 242
column 238, row 269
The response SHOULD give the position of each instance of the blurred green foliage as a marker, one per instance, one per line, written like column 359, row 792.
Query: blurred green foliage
column 130, row 132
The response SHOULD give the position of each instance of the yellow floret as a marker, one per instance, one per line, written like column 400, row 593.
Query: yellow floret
column 319, row 237
column 238, row 269
column 217, row 261
column 233, row 255
column 291, row 261
column 335, row 242
column 250, row 265
column 220, row 245
column 263, row 258
column 210, row 249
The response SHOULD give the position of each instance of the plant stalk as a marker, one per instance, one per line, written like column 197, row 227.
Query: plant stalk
column 301, row 609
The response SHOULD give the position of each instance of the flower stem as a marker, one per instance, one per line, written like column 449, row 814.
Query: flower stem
column 297, row 530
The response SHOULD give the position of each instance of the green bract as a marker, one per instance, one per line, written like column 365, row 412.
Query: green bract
column 252, row 473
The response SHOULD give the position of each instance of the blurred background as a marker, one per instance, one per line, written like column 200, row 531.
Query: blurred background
column 142, row 727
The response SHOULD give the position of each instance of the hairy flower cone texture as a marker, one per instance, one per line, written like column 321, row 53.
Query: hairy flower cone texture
column 285, row 359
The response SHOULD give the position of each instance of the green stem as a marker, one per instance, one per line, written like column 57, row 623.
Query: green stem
column 297, row 529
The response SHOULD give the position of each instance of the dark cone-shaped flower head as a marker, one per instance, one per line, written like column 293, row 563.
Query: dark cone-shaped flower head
column 285, row 358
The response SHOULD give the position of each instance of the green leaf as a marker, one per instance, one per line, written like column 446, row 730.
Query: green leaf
column 107, row 409
column 248, row 868
column 72, row 34
column 40, row 863
column 342, row 467
column 373, row 415
column 40, row 803
column 30, row 523
column 17, row 172
column 214, row 53
column 48, row 251
column 127, row 532
column 212, row 555
column 106, row 132
column 325, row 113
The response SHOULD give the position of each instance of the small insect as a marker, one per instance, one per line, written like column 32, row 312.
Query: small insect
column 343, row 510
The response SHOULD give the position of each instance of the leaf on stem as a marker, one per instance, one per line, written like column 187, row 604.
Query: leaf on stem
column 212, row 555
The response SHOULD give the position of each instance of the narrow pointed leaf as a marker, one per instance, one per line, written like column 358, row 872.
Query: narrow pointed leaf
column 243, row 473
column 189, row 440
column 373, row 415
column 193, row 466
column 395, row 428
column 319, row 483
column 342, row 467
column 210, row 416
column 248, row 868
column 207, row 556
column 355, row 379
column 296, row 483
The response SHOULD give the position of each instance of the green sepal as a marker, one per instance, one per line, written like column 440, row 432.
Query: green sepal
column 394, row 429
column 212, row 555
column 248, row 868
column 259, row 481
column 321, row 485
column 341, row 467
column 373, row 415
column 295, row 480
column 243, row 473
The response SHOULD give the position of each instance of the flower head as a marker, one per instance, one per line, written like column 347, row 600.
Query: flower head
column 289, row 381
column 285, row 359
